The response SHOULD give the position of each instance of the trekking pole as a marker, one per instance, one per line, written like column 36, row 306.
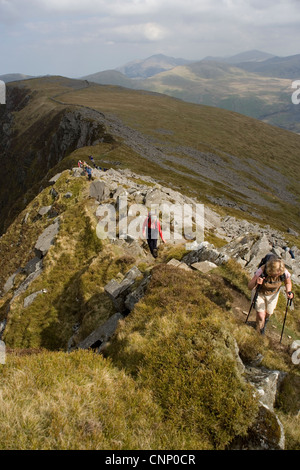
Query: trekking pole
column 289, row 303
column 253, row 301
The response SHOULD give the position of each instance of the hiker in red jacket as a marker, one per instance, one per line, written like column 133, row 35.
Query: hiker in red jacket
column 151, row 229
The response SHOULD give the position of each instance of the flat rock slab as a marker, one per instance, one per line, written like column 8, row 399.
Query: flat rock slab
column 204, row 266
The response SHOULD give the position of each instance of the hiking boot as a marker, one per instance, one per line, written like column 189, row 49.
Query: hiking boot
column 262, row 331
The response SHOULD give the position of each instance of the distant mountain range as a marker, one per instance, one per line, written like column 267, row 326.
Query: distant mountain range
column 151, row 66
column 281, row 67
column 14, row 77
column 146, row 68
column 249, row 56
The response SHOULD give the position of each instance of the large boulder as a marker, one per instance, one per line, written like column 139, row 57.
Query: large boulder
column 266, row 433
column 10, row 281
column 99, row 190
column 248, row 250
column 33, row 265
column 46, row 239
column 259, row 249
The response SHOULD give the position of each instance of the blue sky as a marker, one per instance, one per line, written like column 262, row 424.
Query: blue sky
column 75, row 38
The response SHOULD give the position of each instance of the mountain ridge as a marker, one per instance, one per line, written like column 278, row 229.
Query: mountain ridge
column 177, row 150
column 162, row 336
column 67, row 306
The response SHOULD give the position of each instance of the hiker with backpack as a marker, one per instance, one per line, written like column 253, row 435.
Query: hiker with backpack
column 151, row 230
column 266, row 284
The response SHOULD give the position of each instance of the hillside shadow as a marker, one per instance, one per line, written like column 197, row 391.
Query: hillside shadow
column 71, row 310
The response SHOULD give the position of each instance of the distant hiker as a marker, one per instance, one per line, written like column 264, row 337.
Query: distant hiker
column 89, row 173
column 80, row 164
column 151, row 229
column 289, row 250
column 269, row 278
column 92, row 158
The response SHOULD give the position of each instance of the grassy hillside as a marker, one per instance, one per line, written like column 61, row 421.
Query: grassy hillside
column 172, row 360
column 202, row 150
column 263, row 96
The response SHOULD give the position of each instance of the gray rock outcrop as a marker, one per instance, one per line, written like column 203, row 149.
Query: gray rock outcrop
column 205, row 252
column 118, row 291
column 30, row 298
column 10, row 281
column 99, row 190
column 99, row 337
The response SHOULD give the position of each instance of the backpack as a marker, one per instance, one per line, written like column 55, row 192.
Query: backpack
column 266, row 258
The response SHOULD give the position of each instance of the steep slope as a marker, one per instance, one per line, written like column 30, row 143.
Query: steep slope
column 35, row 134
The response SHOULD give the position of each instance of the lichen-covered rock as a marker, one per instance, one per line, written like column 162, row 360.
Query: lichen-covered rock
column 266, row 433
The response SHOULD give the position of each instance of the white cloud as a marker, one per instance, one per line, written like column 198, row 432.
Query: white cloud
column 154, row 32
column 121, row 29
